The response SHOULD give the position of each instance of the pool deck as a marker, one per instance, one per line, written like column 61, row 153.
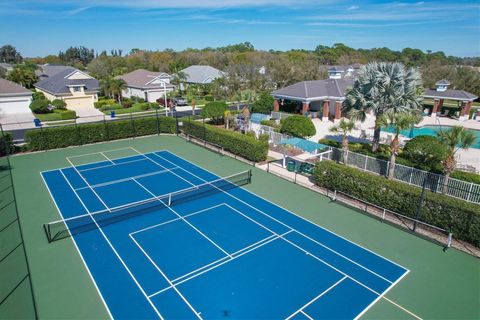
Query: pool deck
column 469, row 157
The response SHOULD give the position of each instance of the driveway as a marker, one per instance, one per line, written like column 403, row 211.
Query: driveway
column 17, row 121
column 87, row 114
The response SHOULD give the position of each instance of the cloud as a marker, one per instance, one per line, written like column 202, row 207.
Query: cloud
column 77, row 11
column 352, row 8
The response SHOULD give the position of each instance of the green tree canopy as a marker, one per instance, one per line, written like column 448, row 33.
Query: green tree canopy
column 215, row 111
column 298, row 126
column 263, row 104
column 8, row 54
column 23, row 74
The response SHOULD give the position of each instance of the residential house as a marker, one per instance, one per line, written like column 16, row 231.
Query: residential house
column 198, row 74
column 49, row 69
column 146, row 84
column 5, row 68
column 14, row 99
column 75, row 87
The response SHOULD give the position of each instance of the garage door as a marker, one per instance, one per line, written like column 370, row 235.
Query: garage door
column 15, row 106
column 79, row 102
column 154, row 95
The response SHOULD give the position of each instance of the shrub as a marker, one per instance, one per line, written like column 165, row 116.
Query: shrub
column 263, row 104
column 37, row 95
column 109, row 107
column 466, row 176
column 208, row 97
column 459, row 217
column 127, row 103
column 271, row 123
column 426, row 151
column 215, row 111
column 40, row 106
column 6, row 144
column 136, row 99
column 298, row 126
column 104, row 102
column 243, row 145
column 59, row 104
column 61, row 137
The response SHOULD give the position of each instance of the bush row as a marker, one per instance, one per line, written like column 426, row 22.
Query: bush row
column 459, row 217
column 6, row 144
column 245, row 146
column 60, row 137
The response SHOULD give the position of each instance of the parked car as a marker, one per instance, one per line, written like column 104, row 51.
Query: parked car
column 180, row 101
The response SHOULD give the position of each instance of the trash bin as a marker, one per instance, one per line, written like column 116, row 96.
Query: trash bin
column 112, row 114
column 37, row 122
column 291, row 165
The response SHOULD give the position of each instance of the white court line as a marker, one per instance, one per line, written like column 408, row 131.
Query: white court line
column 166, row 278
column 233, row 255
column 284, row 224
column 78, row 250
column 112, row 164
column 306, row 315
column 402, row 308
column 176, row 219
column 289, row 211
column 125, row 179
column 114, row 250
column 222, row 263
column 315, row 299
column 182, row 218
column 92, row 153
column 381, row 295
column 106, row 157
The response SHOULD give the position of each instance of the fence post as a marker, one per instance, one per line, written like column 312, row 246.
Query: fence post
column 384, row 212
column 365, row 167
column 133, row 125
column 411, row 174
column 158, row 122
column 470, row 191
column 268, row 166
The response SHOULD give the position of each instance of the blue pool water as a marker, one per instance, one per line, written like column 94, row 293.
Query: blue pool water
column 431, row 131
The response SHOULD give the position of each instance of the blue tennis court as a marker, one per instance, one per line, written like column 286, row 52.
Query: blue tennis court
column 164, row 238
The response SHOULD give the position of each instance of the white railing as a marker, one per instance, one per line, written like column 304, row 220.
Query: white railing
column 279, row 115
column 459, row 189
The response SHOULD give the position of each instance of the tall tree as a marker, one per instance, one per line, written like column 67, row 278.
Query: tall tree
column 344, row 127
column 398, row 121
column 454, row 139
column 23, row 74
column 381, row 88
column 116, row 88
column 8, row 54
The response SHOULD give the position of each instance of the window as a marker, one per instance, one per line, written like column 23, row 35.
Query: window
column 77, row 89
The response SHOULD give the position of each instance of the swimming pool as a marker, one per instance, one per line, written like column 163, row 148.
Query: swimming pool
column 431, row 131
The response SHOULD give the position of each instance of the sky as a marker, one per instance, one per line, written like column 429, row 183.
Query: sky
column 42, row 27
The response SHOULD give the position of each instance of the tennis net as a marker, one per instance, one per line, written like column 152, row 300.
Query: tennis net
column 64, row 228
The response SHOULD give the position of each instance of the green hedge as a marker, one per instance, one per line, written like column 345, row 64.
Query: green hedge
column 460, row 217
column 466, row 176
column 245, row 146
column 6, row 144
column 72, row 135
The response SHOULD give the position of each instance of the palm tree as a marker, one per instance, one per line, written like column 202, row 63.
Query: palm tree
column 105, row 86
column 454, row 139
column 226, row 116
column 116, row 87
column 383, row 87
column 344, row 127
column 178, row 78
column 398, row 121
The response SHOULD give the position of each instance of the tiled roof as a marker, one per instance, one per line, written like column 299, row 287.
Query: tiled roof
column 140, row 79
column 450, row 94
column 59, row 84
column 11, row 88
column 202, row 74
column 316, row 89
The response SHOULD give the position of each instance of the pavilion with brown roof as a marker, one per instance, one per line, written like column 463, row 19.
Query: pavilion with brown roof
column 317, row 97
column 442, row 93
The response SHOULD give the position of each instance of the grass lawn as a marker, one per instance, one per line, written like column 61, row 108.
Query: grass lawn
column 440, row 285
column 56, row 115
column 133, row 109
